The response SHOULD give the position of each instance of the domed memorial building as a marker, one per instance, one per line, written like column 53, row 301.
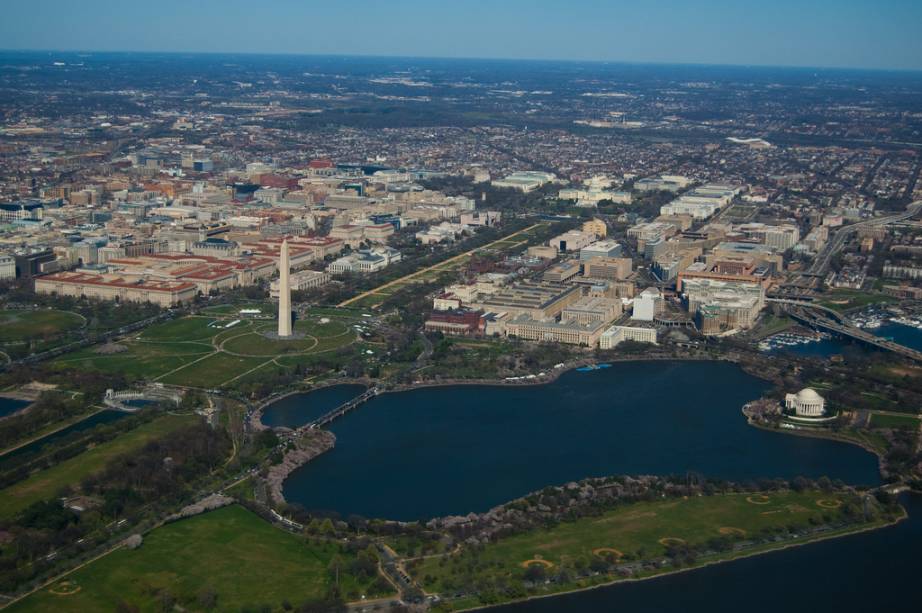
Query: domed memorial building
column 806, row 403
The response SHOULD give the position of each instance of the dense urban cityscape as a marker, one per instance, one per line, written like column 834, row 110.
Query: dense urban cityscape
column 314, row 333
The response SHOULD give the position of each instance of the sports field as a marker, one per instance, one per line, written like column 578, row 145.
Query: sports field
column 230, row 553
column 217, row 348
column 636, row 531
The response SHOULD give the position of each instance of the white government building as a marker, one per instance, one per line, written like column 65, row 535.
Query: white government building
column 806, row 403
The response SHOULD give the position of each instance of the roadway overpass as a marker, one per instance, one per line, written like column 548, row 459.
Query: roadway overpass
column 821, row 318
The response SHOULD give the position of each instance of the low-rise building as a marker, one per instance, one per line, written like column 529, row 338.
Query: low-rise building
column 302, row 280
column 365, row 261
column 723, row 306
column 460, row 322
column 607, row 268
column 647, row 305
column 600, row 249
column 568, row 332
column 592, row 308
column 123, row 288
column 540, row 301
column 596, row 227
column 481, row 218
column 7, row 267
column 545, row 252
column 574, row 240
column 564, row 271
column 525, row 181
column 615, row 335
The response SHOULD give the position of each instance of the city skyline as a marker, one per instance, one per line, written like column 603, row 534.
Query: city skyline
column 852, row 34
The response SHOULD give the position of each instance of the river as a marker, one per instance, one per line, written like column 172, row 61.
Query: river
column 99, row 418
column 907, row 336
column 8, row 406
column 454, row 450
column 871, row 571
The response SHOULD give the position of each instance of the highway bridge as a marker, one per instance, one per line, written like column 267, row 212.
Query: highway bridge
column 834, row 315
column 821, row 318
column 341, row 410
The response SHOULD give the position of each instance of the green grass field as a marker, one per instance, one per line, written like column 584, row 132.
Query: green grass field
column 47, row 483
column 142, row 360
column 200, row 351
column 635, row 530
column 22, row 325
column 849, row 299
column 212, row 371
column 244, row 560
column 185, row 329
column 894, row 421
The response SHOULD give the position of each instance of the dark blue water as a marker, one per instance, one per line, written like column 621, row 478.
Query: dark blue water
column 904, row 335
column 139, row 403
column 873, row 571
column 8, row 406
column 103, row 417
column 453, row 450
column 297, row 410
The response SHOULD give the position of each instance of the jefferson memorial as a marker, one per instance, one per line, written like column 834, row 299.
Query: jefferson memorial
column 806, row 403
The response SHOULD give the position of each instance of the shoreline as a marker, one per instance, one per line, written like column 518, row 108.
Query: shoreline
column 255, row 418
column 830, row 437
column 608, row 584
column 307, row 447
column 60, row 427
column 549, row 377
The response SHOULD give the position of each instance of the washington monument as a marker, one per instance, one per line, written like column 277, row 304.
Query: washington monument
column 284, row 292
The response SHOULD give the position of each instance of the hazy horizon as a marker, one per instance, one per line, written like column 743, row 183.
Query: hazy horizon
column 848, row 34
column 91, row 52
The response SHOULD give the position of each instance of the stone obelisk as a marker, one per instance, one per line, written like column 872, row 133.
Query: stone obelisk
column 284, row 292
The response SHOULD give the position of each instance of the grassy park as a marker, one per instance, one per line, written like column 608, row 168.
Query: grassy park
column 891, row 421
column 229, row 556
column 633, row 532
column 18, row 325
column 851, row 299
column 218, row 347
column 46, row 483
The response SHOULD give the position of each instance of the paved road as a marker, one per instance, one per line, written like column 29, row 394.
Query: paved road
column 821, row 263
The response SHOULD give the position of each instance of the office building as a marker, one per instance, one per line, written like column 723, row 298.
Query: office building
column 615, row 335
column 647, row 305
column 600, row 249
column 607, row 268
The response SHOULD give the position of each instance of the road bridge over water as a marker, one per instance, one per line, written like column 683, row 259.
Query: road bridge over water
column 341, row 410
column 822, row 318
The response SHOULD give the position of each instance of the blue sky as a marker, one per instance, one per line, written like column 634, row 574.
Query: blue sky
column 844, row 33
